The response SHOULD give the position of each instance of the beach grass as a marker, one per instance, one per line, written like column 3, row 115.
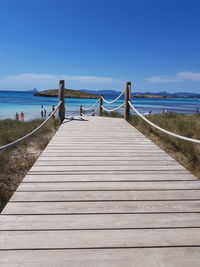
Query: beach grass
column 15, row 162
column 186, row 153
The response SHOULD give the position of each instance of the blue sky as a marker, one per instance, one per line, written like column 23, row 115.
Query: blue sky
column 100, row 44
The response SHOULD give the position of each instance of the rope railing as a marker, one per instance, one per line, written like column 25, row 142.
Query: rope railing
column 117, row 98
column 86, row 109
column 163, row 130
column 102, row 100
column 111, row 110
column 93, row 112
column 31, row 133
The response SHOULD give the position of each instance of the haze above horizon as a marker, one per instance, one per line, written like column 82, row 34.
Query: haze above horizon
column 99, row 45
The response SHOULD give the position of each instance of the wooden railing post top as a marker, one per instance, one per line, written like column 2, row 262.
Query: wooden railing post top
column 81, row 110
column 127, row 98
column 61, row 96
column 61, row 82
column 100, row 105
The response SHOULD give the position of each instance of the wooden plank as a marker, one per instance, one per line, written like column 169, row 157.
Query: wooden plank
column 89, row 141
column 100, row 144
column 133, row 147
column 98, row 134
column 102, row 177
column 72, row 138
column 109, row 168
column 102, row 207
column 141, row 257
column 96, row 153
column 107, row 148
column 101, row 163
column 100, row 238
column 172, row 185
column 99, row 221
column 109, row 158
column 108, row 172
column 106, row 195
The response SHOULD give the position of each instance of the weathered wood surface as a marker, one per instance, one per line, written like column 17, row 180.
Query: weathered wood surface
column 102, row 194
column 129, row 257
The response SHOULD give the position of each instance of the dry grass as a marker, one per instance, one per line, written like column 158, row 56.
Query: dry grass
column 15, row 162
column 187, row 153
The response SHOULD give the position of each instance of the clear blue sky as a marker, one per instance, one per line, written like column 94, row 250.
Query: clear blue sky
column 100, row 44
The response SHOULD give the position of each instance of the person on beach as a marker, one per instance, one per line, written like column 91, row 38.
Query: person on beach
column 21, row 116
column 42, row 114
column 93, row 112
column 53, row 108
column 17, row 116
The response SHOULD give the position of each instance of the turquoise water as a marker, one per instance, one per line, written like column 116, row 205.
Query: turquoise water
column 13, row 101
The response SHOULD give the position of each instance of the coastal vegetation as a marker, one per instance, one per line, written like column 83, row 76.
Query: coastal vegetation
column 15, row 162
column 186, row 153
column 69, row 93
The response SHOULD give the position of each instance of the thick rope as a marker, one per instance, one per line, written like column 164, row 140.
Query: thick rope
column 86, row 109
column 90, row 114
column 110, row 110
column 163, row 130
column 31, row 133
column 110, row 102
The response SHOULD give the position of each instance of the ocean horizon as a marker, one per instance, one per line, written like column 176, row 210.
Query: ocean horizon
column 18, row 101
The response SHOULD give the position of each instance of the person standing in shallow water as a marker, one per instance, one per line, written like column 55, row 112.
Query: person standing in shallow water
column 21, row 116
column 17, row 116
column 53, row 108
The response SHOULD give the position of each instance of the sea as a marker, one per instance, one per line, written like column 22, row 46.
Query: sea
column 18, row 101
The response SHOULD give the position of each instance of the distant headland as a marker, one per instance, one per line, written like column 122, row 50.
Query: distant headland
column 92, row 94
column 165, row 94
column 69, row 93
column 32, row 91
column 138, row 94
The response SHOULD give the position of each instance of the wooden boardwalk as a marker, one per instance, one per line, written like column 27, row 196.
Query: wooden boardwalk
column 102, row 194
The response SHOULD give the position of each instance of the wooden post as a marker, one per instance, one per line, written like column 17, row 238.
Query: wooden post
column 100, row 104
column 127, row 98
column 81, row 110
column 61, row 111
